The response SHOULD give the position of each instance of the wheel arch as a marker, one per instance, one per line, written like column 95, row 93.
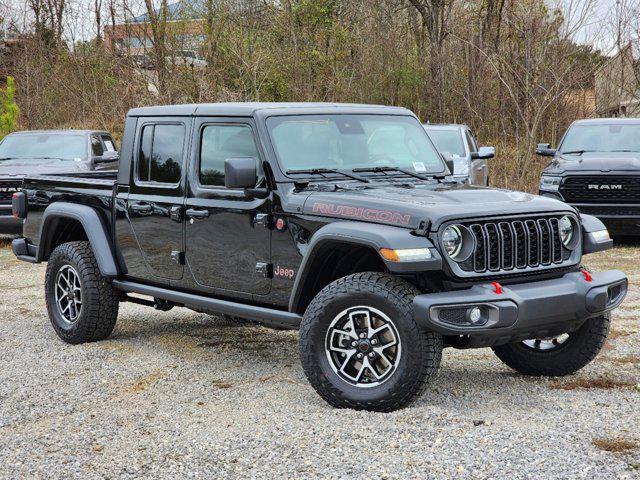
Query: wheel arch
column 65, row 222
column 343, row 248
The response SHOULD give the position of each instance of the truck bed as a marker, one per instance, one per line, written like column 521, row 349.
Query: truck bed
column 94, row 189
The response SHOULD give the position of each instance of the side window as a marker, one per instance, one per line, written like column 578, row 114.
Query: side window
column 472, row 141
column 96, row 146
column 160, row 155
column 220, row 142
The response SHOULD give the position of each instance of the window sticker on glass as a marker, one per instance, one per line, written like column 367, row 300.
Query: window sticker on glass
column 108, row 144
column 419, row 167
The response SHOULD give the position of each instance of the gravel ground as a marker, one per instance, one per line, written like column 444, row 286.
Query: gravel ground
column 178, row 394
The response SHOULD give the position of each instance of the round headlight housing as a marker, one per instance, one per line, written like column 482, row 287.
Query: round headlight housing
column 565, row 227
column 452, row 241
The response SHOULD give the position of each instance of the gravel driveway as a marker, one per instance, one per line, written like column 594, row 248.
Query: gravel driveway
column 179, row 394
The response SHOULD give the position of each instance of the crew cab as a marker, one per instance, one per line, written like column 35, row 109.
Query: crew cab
column 596, row 169
column 338, row 220
column 470, row 161
column 33, row 152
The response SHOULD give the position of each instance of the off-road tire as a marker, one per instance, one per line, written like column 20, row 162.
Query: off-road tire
column 99, row 309
column 421, row 351
column 577, row 351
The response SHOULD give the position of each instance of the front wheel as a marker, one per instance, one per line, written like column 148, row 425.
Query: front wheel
column 361, row 347
column 557, row 356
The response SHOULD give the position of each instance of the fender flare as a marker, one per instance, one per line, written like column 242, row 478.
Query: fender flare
column 364, row 234
column 93, row 226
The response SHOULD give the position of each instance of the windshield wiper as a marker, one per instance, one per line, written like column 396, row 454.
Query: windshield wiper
column 634, row 151
column 575, row 152
column 323, row 171
column 391, row 169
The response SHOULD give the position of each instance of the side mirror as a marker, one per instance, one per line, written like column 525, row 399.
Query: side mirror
column 448, row 160
column 107, row 157
column 484, row 153
column 545, row 150
column 240, row 172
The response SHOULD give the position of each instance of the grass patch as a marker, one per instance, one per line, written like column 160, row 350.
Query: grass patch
column 615, row 445
column 5, row 242
column 604, row 383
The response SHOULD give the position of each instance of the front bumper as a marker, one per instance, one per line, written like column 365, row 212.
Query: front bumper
column 521, row 311
column 9, row 225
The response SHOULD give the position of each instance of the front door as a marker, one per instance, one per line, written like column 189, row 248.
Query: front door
column 227, row 235
column 156, row 197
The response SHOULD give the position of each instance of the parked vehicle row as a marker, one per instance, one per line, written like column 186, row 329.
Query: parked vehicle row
column 49, row 152
column 342, row 221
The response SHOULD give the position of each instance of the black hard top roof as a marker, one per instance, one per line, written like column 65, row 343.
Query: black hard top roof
column 249, row 109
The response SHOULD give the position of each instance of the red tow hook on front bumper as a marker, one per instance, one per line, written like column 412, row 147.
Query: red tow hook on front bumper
column 497, row 288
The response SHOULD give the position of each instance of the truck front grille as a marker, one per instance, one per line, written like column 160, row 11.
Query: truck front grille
column 514, row 245
column 7, row 189
column 601, row 189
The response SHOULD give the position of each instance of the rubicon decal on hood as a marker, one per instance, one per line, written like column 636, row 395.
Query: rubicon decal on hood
column 386, row 216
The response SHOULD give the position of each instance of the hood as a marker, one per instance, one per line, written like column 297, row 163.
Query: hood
column 407, row 207
column 595, row 162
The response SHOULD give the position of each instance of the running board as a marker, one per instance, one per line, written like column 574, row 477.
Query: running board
column 267, row 316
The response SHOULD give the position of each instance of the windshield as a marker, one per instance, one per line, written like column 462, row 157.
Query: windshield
column 345, row 142
column 602, row 138
column 44, row 145
column 447, row 141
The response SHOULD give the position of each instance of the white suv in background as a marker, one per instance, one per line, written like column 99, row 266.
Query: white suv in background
column 458, row 141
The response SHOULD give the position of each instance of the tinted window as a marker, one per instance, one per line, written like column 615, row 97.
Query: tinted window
column 220, row 142
column 473, row 146
column 160, row 156
column 96, row 146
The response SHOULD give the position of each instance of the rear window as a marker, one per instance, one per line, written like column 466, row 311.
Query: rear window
column 160, row 153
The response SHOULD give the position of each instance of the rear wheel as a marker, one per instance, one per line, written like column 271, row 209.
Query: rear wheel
column 361, row 347
column 82, row 304
column 557, row 356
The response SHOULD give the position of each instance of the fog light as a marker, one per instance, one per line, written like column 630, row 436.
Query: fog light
column 475, row 315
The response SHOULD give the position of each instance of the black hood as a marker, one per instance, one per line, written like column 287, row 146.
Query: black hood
column 38, row 166
column 407, row 207
column 595, row 162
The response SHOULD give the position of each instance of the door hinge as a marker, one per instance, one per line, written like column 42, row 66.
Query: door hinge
column 177, row 257
column 263, row 219
column 265, row 269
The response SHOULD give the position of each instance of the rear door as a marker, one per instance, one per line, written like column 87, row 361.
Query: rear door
column 156, row 195
column 227, row 235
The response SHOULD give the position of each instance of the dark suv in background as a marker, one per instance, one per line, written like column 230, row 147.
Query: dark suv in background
column 49, row 152
column 596, row 169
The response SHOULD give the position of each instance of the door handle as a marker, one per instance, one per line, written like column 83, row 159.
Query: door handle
column 141, row 208
column 195, row 213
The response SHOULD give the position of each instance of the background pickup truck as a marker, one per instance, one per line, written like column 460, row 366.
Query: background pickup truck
column 337, row 220
column 49, row 152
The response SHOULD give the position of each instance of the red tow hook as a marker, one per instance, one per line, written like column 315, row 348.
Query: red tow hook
column 587, row 275
column 497, row 288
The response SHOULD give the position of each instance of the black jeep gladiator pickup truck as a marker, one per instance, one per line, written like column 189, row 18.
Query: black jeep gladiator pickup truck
column 337, row 220
column 596, row 169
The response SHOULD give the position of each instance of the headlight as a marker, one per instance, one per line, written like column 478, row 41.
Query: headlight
column 549, row 183
column 452, row 240
column 565, row 225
